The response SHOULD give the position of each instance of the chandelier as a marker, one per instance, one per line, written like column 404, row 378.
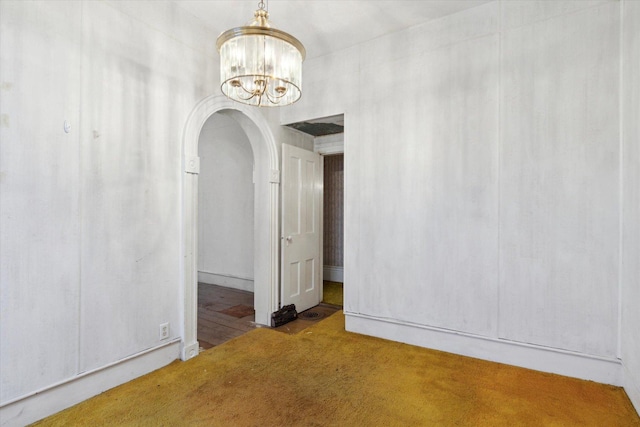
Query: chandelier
column 260, row 65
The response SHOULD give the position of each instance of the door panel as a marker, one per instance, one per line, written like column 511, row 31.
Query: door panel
column 301, row 204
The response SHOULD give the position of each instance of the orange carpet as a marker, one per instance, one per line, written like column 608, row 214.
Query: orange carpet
column 324, row 376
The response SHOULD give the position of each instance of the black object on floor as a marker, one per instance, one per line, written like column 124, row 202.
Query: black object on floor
column 285, row 315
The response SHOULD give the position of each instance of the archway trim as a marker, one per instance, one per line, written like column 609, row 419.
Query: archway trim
column 266, row 218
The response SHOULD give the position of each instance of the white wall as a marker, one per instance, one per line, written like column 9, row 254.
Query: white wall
column 559, row 178
column 90, row 220
column 225, row 204
column 482, row 182
column 482, row 199
column 631, row 199
column 40, row 203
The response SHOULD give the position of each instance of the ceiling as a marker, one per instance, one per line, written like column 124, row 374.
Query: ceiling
column 325, row 26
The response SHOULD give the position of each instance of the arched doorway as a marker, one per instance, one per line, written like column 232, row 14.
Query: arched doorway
column 266, row 214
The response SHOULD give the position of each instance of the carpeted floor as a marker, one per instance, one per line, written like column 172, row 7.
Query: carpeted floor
column 332, row 293
column 324, row 376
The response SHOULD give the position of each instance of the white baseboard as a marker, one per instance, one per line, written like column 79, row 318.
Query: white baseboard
column 632, row 387
column 226, row 281
column 189, row 351
column 333, row 273
column 593, row 368
column 51, row 400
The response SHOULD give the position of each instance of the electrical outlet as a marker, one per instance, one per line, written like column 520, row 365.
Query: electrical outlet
column 164, row 331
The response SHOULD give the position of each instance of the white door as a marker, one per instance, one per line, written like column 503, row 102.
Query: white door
column 301, row 227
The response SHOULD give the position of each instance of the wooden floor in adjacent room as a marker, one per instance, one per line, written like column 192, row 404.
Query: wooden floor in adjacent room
column 226, row 313
column 217, row 321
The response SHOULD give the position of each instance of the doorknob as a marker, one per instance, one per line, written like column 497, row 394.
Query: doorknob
column 289, row 239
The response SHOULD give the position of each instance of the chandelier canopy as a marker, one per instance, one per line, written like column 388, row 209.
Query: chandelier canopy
column 260, row 65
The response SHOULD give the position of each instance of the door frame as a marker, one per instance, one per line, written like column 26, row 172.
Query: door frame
column 266, row 213
column 325, row 151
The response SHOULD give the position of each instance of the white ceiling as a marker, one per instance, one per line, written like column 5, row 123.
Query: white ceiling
column 325, row 26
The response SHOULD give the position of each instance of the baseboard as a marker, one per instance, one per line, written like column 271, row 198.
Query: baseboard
column 545, row 359
column 189, row 351
column 333, row 273
column 226, row 281
column 632, row 387
column 51, row 400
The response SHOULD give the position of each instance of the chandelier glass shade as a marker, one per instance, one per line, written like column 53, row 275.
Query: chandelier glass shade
column 260, row 65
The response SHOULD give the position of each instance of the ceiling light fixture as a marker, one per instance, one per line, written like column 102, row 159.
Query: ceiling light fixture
column 260, row 65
